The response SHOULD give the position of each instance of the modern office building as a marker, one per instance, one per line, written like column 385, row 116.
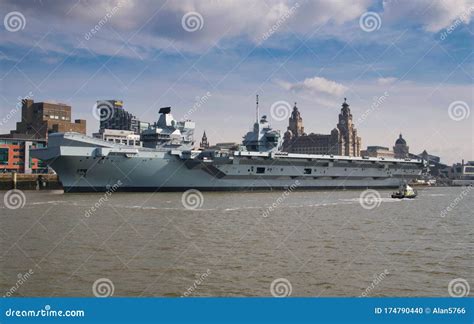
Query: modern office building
column 38, row 119
column 15, row 156
column 114, row 116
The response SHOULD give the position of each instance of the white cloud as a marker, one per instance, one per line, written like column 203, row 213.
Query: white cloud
column 386, row 81
column 315, row 85
column 159, row 22
column 433, row 15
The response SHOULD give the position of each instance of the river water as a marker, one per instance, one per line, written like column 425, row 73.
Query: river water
column 319, row 243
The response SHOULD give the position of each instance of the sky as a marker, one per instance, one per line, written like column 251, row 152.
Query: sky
column 404, row 66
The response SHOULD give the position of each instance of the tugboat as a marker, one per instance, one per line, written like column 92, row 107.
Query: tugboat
column 405, row 191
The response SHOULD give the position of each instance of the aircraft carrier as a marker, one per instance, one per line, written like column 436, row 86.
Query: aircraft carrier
column 167, row 162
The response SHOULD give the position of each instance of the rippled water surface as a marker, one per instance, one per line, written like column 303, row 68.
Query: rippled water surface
column 324, row 243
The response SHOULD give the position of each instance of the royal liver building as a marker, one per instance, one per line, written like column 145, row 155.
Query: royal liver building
column 343, row 139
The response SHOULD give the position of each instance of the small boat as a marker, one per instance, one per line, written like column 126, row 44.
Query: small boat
column 405, row 191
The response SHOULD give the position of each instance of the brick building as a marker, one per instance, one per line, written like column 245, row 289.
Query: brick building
column 15, row 156
column 38, row 119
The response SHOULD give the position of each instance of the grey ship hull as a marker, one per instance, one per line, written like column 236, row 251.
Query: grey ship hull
column 84, row 164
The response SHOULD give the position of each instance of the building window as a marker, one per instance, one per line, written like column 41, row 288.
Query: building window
column 307, row 171
column 260, row 170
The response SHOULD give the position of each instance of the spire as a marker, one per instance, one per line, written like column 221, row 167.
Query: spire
column 345, row 104
column 204, row 143
column 257, row 114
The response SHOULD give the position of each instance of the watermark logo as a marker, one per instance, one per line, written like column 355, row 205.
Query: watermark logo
column 456, row 201
column 370, row 21
column 459, row 287
column 103, row 287
column 103, row 110
column 14, row 199
column 283, row 18
column 103, row 21
column 281, row 287
column 17, row 108
column 459, row 110
column 280, row 199
column 22, row 278
column 463, row 18
column 192, row 21
column 192, row 199
column 88, row 213
column 370, row 199
column 14, row 21
column 200, row 279
column 200, row 101
column 375, row 282
column 280, row 110
column 377, row 102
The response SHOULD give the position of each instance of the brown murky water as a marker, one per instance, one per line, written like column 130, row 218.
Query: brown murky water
column 324, row 243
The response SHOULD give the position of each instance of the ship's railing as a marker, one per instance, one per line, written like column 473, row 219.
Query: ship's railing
column 285, row 155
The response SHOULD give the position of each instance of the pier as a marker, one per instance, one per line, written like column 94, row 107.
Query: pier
column 20, row 181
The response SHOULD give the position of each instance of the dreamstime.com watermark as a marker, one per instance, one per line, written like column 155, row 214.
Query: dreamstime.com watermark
column 103, row 287
column 459, row 287
column 370, row 21
column 192, row 199
column 456, row 201
column 46, row 312
column 377, row 280
column 463, row 18
column 22, row 278
column 88, row 213
column 280, row 199
column 103, row 110
column 200, row 101
column 283, row 18
column 376, row 104
column 14, row 21
column 110, row 13
column 280, row 110
column 14, row 199
column 17, row 108
column 192, row 21
column 200, row 279
column 370, row 199
column 459, row 110
column 281, row 287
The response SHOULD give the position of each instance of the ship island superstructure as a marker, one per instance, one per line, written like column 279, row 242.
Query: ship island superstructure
column 167, row 162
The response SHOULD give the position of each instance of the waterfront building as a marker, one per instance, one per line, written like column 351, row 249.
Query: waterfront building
column 343, row 139
column 378, row 152
column 204, row 143
column 428, row 157
column 225, row 146
column 39, row 119
column 118, row 136
column 114, row 116
column 15, row 156
column 401, row 149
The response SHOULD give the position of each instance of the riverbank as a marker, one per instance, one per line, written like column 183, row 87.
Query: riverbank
column 10, row 181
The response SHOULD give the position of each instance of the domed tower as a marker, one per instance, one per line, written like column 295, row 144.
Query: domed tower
column 349, row 142
column 296, row 122
column 401, row 149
